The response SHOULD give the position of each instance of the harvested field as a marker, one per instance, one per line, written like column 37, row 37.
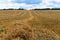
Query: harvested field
column 29, row 25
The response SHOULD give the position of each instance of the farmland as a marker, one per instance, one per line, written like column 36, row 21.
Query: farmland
column 29, row 25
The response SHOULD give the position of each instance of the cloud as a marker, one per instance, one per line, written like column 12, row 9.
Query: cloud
column 43, row 4
column 18, row 1
column 56, row 0
column 27, row 1
column 11, row 5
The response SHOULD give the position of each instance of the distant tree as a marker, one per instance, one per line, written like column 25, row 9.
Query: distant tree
column 47, row 9
column 8, row 9
column 20, row 9
column 55, row 8
column 36, row 9
column 42, row 9
column 13, row 9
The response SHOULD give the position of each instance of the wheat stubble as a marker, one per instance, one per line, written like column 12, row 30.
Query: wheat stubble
column 27, row 26
column 22, row 31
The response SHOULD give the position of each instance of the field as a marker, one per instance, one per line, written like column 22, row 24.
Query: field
column 30, row 25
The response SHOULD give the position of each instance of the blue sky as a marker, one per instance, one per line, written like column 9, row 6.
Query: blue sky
column 28, row 1
column 29, row 4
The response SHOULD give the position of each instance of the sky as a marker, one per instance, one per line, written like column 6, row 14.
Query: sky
column 29, row 4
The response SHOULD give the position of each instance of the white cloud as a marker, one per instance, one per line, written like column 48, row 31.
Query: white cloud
column 57, row 0
column 11, row 5
column 44, row 4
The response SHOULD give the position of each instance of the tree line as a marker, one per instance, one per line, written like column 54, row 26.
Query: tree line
column 33, row 9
